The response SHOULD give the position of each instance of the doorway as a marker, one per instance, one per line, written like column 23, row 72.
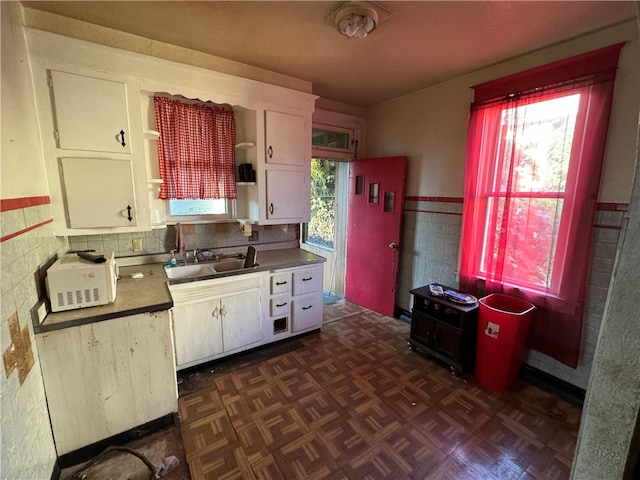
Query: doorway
column 325, row 234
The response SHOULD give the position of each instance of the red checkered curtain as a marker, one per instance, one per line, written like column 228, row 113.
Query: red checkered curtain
column 196, row 150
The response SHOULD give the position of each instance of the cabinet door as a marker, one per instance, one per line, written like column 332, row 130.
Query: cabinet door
column 447, row 342
column 241, row 319
column 288, row 195
column 422, row 328
column 197, row 331
column 98, row 192
column 281, row 283
column 90, row 113
column 306, row 312
column 107, row 377
column 286, row 139
column 307, row 280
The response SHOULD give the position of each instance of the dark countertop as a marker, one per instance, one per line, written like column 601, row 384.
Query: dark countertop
column 133, row 295
column 151, row 292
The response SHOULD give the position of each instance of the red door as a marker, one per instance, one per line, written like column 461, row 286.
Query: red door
column 376, row 198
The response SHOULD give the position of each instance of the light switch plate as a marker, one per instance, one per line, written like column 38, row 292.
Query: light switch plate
column 137, row 244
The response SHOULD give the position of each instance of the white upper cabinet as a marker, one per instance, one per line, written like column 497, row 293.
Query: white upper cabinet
column 98, row 191
column 91, row 113
column 287, row 139
column 288, row 195
column 94, row 102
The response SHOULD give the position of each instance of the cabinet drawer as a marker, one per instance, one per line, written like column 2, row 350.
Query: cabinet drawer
column 279, row 305
column 306, row 312
column 306, row 281
column 281, row 283
column 439, row 311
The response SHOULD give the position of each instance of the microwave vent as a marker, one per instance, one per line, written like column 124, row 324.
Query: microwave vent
column 78, row 297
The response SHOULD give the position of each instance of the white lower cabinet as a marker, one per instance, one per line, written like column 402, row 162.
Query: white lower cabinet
column 307, row 298
column 295, row 302
column 218, row 317
column 107, row 377
column 214, row 318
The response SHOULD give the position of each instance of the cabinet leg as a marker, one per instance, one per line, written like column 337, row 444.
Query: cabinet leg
column 411, row 346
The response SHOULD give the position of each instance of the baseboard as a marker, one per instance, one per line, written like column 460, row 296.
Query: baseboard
column 553, row 385
column 85, row 454
column 55, row 474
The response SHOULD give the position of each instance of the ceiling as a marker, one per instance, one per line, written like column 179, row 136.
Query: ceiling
column 421, row 43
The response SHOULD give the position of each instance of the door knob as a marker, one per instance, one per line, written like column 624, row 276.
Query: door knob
column 394, row 246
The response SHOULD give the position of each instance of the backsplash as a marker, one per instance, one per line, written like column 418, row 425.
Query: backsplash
column 206, row 235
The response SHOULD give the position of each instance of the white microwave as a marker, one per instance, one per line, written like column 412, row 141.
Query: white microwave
column 73, row 282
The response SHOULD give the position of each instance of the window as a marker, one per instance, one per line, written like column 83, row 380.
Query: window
column 320, row 231
column 534, row 155
column 333, row 142
column 526, row 192
column 197, row 159
column 199, row 211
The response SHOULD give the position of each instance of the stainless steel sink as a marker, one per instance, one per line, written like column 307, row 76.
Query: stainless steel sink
column 205, row 269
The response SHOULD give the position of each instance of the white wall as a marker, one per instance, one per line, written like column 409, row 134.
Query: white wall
column 26, row 444
column 21, row 146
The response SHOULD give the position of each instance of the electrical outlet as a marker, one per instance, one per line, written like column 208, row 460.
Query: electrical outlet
column 41, row 312
column 137, row 244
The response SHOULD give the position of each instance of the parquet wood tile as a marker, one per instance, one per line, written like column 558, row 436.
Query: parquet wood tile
column 201, row 404
column 375, row 418
column 352, row 402
column 344, row 440
column 304, row 457
column 206, row 434
column 479, row 452
column 374, row 464
column 412, row 450
column 442, row 430
column 551, row 465
column 278, row 426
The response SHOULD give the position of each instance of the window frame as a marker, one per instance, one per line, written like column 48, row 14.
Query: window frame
column 493, row 192
column 195, row 219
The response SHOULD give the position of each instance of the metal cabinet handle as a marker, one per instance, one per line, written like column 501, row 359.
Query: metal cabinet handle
column 129, row 217
column 122, row 139
column 307, row 279
column 281, row 304
column 307, row 308
column 215, row 312
column 270, row 151
column 271, row 208
column 281, row 283
column 223, row 311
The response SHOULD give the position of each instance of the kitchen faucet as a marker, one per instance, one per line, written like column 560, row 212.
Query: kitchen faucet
column 187, row 255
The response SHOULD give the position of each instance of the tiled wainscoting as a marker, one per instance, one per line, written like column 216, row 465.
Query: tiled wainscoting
column 206, row 235
column 430, row 253
column 27, row 243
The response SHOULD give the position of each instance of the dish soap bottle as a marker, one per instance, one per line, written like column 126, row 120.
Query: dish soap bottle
column 172, row 261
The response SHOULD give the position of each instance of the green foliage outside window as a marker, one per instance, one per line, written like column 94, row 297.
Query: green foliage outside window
column 320, row 231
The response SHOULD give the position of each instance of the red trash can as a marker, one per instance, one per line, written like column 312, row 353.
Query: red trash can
column 503, row 324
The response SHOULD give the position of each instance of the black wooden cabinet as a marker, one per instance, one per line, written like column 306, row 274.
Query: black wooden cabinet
column 444, row 329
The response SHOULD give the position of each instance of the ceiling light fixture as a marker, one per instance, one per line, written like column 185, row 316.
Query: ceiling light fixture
column 356, row 19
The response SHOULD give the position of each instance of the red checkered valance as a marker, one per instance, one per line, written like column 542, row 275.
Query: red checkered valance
column 196, row 150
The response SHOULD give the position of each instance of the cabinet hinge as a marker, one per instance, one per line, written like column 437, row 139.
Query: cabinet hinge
column 50, row 82
column 56, row 135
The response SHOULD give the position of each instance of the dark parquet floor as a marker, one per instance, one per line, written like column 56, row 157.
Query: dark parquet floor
column 353, row 402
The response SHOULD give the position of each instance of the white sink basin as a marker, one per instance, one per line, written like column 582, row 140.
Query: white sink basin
column 227, row 265
column 186, row 271
column 200, row 270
